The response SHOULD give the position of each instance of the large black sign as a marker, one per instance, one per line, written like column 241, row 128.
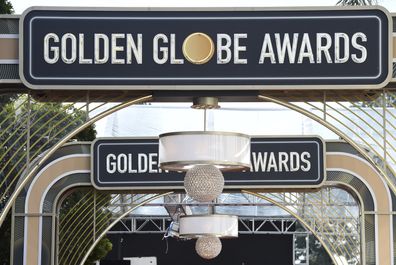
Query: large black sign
column 278, row 162
column 82, row 49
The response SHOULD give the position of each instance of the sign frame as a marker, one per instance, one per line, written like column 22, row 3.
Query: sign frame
column 208, row 87
column 321, row 160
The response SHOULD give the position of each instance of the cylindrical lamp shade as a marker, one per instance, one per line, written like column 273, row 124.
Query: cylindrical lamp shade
column 228, row 151
column 192, row 226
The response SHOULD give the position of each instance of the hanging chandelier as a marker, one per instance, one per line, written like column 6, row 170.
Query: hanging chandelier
column 204, row 155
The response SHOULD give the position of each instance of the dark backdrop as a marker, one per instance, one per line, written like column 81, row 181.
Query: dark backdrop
column 246, row 250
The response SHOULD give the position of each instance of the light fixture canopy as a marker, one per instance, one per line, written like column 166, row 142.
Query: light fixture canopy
column 205, row 103
column 228, row 151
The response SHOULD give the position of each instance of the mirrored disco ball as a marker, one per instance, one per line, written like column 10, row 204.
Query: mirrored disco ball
column 204, row 183
column 208, row 247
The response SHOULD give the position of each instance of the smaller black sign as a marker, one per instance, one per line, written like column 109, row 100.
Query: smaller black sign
column 278, row 162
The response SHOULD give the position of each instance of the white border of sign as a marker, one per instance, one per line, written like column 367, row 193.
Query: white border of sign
column 207, row 87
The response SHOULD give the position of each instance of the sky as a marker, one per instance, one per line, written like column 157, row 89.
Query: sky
column 21, row 5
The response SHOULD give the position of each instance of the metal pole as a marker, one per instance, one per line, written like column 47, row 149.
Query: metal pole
column 28, row 133
column 94, row 217
column 307, row 249
column 12, row 236
column 204, row 120
column 294, row 248
column 384, row 126
column 87, row 108
column 324, row 106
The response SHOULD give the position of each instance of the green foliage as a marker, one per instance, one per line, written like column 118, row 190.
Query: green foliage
column 356, row 2
column 89, row 134
column 6, row 7
column 102, row 248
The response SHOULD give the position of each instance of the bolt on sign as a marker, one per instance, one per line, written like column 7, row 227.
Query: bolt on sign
column 79, row 48
column 281, row 162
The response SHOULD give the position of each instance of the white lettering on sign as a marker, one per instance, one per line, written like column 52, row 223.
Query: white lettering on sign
column 223, row 48
column 285, row 45
column 115, row 49
column 275, row 48
column 160, row 55
column 280, row 162
column 135, row 48
column 69, row 41
column 306, row 50
column 323, row 44
column 238, row 48
column 359, row 47
column 267, row 51
column 132, row 163
column 101, row 38
column 123, row 48
column 224, row 52
column 162, row 51
column 81, row 48
column 340, row 44
column 51, row 53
